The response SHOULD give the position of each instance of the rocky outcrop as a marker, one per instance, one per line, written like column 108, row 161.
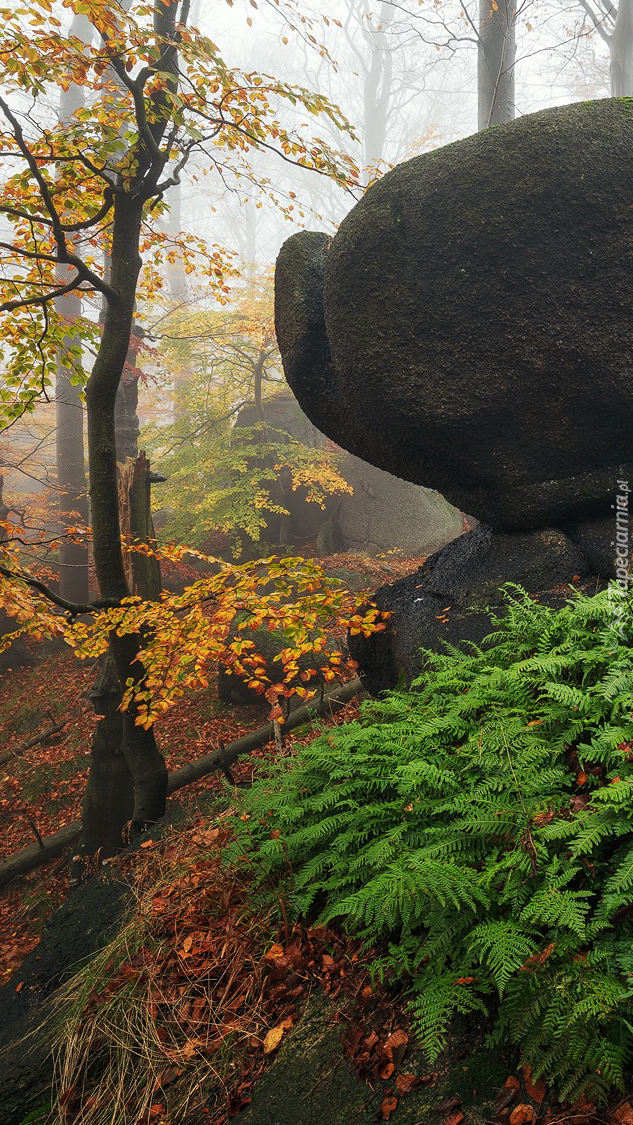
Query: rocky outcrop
column 386, row 513
column 470, row 326
column 447, row 601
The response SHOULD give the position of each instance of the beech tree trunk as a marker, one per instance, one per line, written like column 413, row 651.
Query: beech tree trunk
column 281, row 487
column 621, row 51
column 145, row 764
column 377, row 89
column 109, row 798
column 71, row 472
column 108, row 810
column 495, row 63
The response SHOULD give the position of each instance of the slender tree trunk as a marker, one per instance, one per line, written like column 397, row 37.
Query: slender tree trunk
column 69, row 410
column 377, row 89
column 145, row 568
column 109, row 799
column 495, row 62
column 176, row 276
column 126, row 423
column 621, row 50
column 17, row 654
column 177, row 282
column 71, row 471
column 280, row 488
column 144, row 761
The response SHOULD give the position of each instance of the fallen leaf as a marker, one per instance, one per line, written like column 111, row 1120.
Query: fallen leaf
column 522, row 1114
column 387, row 1107
column 536, row 1090
column 454, row 1118
column 405, row 1083
column 448, row 1105
column 623, row 1114
column 273, row 1038
column 238, row 1103
column 397, row 1038
column 387, row 1070
column 505, row 1097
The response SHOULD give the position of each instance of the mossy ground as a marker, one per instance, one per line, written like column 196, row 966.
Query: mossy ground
column 311, row 1082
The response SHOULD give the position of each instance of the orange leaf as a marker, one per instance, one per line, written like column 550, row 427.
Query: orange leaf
column 387, row 1107
column 398, row 1038
column 405, row 1083
column 536, row 1090
column 623, row 1114
column 522, row 1115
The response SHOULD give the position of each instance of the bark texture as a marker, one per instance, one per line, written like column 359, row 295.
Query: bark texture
column 144, row 761
column 496, row 52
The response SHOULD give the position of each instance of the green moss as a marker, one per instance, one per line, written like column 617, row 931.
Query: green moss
column 38, row 1115
column 311, row 1080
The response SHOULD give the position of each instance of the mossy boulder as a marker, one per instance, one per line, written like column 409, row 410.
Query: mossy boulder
column 470, row 326
column 311, row 1082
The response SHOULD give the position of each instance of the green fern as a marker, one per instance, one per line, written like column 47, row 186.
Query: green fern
column 478, row 829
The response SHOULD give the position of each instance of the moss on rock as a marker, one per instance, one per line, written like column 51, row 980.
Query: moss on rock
column 477, row 326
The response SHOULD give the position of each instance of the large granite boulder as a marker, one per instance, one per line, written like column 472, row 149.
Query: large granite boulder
column 447, row 600
column 470, row 326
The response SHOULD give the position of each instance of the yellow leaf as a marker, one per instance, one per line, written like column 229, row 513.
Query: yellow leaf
column 273, row 1039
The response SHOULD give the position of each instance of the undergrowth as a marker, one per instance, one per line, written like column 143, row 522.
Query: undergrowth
column 478, row 828
column 155, row 1026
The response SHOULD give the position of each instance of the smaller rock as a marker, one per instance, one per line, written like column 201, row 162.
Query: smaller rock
column 387, row 513
column 446, row 601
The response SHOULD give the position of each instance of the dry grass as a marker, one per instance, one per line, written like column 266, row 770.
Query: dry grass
column 159, row 1025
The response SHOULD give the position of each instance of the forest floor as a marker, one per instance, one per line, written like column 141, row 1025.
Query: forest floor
column 315, row 978
column 42, row 789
